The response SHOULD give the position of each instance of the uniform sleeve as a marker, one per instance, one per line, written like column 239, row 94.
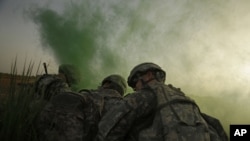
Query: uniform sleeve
column 122, row 117
column 143, row 103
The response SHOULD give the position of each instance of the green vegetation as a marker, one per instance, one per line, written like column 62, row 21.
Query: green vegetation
column 19, row 108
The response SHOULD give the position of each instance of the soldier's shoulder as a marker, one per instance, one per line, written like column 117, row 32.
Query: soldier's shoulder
column 173, row 87
column 140, row 97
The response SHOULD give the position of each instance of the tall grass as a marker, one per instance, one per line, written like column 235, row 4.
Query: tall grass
column 19, row 108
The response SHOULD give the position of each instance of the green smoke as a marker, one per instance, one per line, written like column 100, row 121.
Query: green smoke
column 202, row 45
column 93, row 36
column 76, row 44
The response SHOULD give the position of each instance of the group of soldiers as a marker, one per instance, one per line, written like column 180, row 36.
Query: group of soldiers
column 155, row 111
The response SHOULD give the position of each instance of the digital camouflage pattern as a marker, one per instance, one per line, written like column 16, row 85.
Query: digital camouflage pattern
column 71, row 75
column 101, row 101
column 49, row 85
column 62, row 119
column 215, row 126
column 70, row 116
column 116, row 123
column 156, row 113
column 177, row 118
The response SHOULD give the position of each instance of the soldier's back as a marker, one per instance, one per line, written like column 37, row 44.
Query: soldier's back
column 63, row 118
column 102, row 100
column 176, row 118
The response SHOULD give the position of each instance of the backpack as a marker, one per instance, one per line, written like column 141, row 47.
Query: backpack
column 215, row 126
column 63, row 118
column 101, row 101
column 176, row 118
column 92, row 113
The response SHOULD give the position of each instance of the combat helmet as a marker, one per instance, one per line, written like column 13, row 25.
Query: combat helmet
column 118, row 80
column 142, row 68
column 70, row 72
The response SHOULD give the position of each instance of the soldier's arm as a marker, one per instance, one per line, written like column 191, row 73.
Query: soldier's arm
column 116, row 124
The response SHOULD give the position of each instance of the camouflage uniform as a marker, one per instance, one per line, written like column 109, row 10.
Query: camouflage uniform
column 103, row 99
column 157, row 112
column 71, row 75
column 62, row 115
column 49, row 85
column 216, row 126
column 70, row 116
column 63, row 118
column 117, row 122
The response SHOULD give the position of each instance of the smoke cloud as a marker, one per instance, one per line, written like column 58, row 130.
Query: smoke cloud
column 202, row 45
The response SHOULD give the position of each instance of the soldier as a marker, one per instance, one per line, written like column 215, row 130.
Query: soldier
column 49, row 85
column 70, row 74
column 70, row 116
column 111, row 91
column 154, row 112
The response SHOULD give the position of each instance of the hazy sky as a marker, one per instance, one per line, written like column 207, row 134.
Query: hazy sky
column 19, row 35
column 204, row 46
column 203, row 41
